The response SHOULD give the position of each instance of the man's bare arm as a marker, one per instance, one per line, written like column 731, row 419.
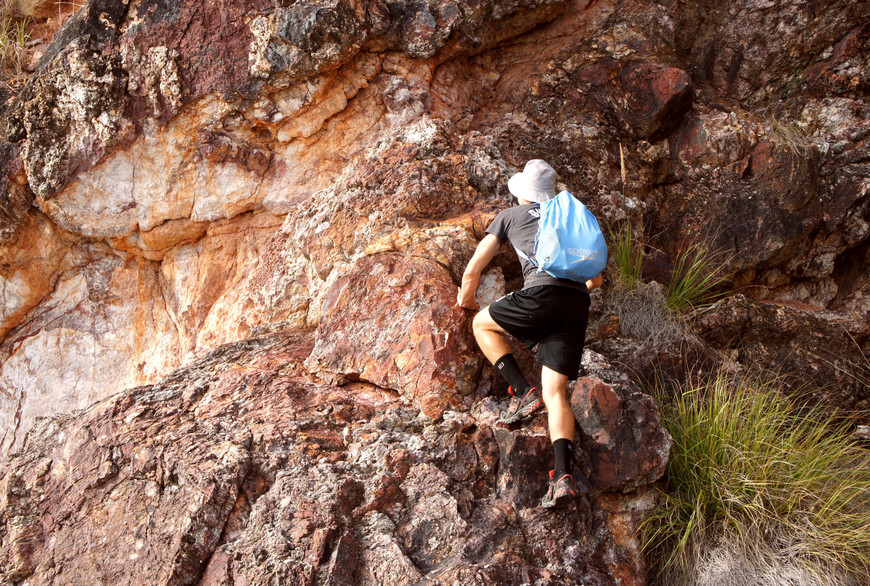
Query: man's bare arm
column 484, row 253
column 595, row 282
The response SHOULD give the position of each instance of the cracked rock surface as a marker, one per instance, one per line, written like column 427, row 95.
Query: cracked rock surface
column 235, row 471
column 176, row 177
column 230, row 236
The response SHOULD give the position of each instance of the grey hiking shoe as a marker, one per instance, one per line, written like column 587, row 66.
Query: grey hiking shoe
column 562, row 492
column 521, row 407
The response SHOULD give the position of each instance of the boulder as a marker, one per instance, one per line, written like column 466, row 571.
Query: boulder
column 619, row 429
column 654, row 99
column 394, row 322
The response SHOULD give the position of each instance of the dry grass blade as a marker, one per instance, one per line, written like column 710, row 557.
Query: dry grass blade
column 790, row 137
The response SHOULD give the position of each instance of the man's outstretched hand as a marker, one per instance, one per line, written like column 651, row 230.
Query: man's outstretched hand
column 485, row 251
column 463, row 301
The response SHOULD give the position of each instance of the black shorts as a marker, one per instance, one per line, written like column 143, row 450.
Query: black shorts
column 551, row 316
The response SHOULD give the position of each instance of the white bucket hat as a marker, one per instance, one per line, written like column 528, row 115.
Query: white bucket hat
column 536, row 183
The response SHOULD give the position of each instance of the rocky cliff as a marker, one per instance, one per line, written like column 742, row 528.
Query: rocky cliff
column 231, row 238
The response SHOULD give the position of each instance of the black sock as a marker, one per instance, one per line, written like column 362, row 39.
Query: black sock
column 507, row 367
column 564, row 449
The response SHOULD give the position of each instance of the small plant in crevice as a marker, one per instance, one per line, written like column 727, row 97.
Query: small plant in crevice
column 14, row 35
column 626, row 252
column 797, row 77
column 697, row 270
column 791, row 137
column 759, row 491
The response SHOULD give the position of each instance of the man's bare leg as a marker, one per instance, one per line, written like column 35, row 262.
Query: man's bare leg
column 562, row 488
column 493, row 341
column 490, row 336
column 559, row 414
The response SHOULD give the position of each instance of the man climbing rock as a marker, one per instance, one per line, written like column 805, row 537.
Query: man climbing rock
column 547, row 311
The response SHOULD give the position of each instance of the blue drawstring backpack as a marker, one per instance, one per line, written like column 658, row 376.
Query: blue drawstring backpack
column 569, row 243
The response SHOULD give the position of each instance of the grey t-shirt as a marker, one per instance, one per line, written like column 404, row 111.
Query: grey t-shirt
column 519, row 225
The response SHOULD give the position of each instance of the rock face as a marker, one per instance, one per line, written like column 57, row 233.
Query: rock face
column 233, row 470
column 823, row 342
column 178, row 178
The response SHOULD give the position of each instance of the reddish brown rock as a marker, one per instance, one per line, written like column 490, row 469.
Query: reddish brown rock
column 765, row 200
column 835, row 71
column 731, row 49
column 619, row 430
column 828, row 349
column 394, row 322
column 624, row 513
column 524, row 460
column 235, row 471
column 654, row 99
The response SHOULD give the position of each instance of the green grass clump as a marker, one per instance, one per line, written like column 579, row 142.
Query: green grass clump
column 627, row 253
column 748, row 468
column 14, row 35
column 697, row 270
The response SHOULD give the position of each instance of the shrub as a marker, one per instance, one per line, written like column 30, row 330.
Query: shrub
column 758, row 488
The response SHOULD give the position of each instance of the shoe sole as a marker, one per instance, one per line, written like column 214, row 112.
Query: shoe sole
column 560, row 502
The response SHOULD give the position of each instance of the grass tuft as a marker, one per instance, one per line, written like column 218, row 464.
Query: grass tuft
column 626, row 252
column 697, row 270
column 750, row 473
column 790, row 137
column 14, row 34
